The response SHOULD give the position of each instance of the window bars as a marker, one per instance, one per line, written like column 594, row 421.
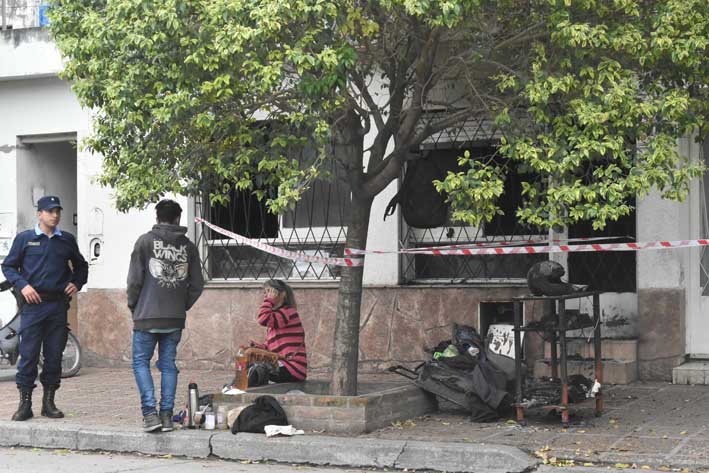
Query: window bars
column 21, row 14
column 480, row 138
column 317, row 226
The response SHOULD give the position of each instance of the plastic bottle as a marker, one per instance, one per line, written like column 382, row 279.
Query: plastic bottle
column 241, row 375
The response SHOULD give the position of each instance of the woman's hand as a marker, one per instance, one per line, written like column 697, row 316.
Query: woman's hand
column 270, row 293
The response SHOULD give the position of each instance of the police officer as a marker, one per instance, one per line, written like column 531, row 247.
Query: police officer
column 45, row 265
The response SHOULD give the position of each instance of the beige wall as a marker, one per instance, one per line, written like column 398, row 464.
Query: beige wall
column 397, row 323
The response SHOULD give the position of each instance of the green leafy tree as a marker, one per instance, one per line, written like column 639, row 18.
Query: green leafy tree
column 179, row 87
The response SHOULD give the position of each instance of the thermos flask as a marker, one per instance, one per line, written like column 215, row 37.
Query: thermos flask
column 192, row 403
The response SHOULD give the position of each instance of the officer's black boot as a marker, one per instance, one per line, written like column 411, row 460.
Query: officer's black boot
column 48, row 407
column 24, row 411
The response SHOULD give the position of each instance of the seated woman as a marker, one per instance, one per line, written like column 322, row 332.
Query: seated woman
column 284, row 336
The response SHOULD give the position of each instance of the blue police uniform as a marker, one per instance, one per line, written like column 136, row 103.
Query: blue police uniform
column 43, row 262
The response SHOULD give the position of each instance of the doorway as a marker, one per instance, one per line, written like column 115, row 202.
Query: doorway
column 46, row 165
column 698, row 292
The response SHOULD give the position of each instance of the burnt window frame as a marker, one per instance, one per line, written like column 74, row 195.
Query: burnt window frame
column 462, row 267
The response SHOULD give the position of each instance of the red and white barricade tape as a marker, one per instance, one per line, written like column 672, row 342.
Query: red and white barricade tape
column 516, row 250
column 502, row 248
column 486, row 244
column 291, row 255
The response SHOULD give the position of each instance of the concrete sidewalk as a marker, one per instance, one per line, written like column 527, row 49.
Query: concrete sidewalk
column 656, row 425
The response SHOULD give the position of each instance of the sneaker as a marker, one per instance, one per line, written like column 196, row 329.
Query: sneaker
column 166, row 421
column 151, row 422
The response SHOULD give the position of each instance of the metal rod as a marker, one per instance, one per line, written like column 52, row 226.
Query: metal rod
column 518, row 360
column 598, row 356
column 2, row 13
column 564, row 377
column 550, row 308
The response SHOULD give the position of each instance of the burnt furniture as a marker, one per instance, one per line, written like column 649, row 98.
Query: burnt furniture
column 556, row 311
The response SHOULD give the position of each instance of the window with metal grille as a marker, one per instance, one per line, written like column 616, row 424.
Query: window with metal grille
column 613, row 271
column 607, row 271
column 503, row 228
column 317, row 225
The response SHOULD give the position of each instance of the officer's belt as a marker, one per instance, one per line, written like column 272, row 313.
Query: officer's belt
column 52, row 296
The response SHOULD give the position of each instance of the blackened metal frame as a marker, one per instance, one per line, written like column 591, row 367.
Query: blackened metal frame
column 558, row 363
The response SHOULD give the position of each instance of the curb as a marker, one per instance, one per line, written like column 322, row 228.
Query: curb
column 304, row 449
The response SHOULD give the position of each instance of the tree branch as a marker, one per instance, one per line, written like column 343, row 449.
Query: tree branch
column 358, row 80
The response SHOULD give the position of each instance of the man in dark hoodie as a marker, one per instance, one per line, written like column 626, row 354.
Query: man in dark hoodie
column 164, row 281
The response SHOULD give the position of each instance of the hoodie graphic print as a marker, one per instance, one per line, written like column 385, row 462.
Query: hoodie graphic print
column 169, row 263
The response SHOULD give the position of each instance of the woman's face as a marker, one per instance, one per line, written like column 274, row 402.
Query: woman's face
column 273, row 294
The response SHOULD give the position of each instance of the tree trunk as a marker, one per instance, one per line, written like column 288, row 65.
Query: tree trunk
column 348, row 147
column 345, row 353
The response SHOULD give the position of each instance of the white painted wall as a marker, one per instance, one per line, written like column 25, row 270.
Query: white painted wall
column 660, row 219
column 619, row 314
column 118, row 232
column 44, row 106
column 28, row 53
column 31, row 107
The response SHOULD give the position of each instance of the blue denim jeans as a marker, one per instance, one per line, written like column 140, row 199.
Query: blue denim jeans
column 143, row 349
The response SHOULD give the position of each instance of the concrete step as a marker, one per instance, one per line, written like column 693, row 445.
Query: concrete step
column 691, row 372
column 611, row 349
column 614, row 371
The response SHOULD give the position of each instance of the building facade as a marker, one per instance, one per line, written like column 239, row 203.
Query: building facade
column 653, row 302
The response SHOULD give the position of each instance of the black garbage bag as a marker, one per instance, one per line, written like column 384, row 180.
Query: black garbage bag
column 264, row 411
column 463, row 362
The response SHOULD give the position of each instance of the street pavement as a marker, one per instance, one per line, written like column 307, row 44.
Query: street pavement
column 28, row 460
column 646, row 425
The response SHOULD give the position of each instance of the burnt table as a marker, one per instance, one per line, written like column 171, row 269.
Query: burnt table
column 555, row 309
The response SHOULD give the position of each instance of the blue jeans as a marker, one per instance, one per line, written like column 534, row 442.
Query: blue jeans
column 143, row 349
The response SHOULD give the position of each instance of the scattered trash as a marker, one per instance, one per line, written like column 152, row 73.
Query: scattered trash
column 231, row 390
column 404, row 424
column 595, row 389
column 287, row 430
